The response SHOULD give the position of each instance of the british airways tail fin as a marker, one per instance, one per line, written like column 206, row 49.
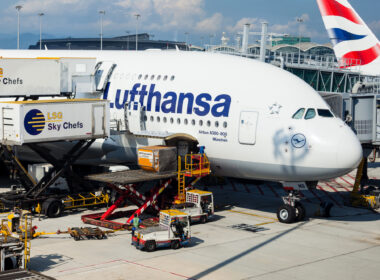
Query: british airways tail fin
column 354, row 43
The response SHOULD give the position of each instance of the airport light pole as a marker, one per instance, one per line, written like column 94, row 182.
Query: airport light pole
column 300, row 21
column 137, row 25
column 127, row 39
column 186, row 38
column 202, row 42
column 102, row 13
column 211, row 36
column 41, row 15
column 18, row 8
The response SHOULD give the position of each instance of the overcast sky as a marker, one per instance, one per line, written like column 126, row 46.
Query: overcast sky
column 170, row 19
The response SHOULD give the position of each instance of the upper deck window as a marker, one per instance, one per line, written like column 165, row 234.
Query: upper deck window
column 325, row 113
column 299, row 114
column 310, row 114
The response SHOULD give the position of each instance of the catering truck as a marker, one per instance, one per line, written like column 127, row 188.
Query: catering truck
column 23, row 122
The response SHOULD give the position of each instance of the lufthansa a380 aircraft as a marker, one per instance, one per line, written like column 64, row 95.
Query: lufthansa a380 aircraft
column 353, row 41
column 256, row 121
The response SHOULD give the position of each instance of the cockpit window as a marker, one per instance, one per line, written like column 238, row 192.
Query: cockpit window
column 299, row 114
column 310, row 114
column 325, row 113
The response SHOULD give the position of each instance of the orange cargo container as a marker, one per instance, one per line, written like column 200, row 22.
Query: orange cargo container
column 157, row 158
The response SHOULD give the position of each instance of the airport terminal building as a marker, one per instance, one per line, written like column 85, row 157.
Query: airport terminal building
column 114, row 43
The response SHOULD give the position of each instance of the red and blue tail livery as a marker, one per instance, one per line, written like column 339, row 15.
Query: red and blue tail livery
column 354, row 43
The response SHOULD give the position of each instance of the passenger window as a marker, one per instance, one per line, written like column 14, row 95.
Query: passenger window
column 208, row 123
column 193, row 122
column 186, row 121
column 325, row 113
column 179, row 121
column 172, row 78
column 216, row 124
column 158, row 119
column 158, row 77
column 165, row 120
column 225, row 124
column 151, row 118
column 200, row 122
column 165, row 77
column 171, row 120
column 310, row 114
column 152, row 77
column 140, row 76
column 299, row 114
column 146, row 77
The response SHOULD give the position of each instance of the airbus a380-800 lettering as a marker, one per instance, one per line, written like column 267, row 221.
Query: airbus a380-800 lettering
column 256, row 121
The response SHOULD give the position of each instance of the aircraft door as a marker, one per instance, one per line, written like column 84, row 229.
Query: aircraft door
column 103, row 72
column 247, row 127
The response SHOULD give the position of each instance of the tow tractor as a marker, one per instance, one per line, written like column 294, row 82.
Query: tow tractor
column 172, row 231
column 199, row 205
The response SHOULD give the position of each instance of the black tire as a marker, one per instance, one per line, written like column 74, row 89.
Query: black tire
column 150, row 246
column 286, row 214
column 8, row 264
column 52, row 207
column 203, row 219
column 175, row 245
column 76, row 237
column 300, row 212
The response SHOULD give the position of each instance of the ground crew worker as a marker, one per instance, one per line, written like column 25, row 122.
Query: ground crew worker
column 135, row 224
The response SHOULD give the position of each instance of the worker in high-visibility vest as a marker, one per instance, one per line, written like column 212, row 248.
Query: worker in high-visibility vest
column 135, row 224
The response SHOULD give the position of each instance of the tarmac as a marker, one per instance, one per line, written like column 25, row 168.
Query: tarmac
column 243, row 240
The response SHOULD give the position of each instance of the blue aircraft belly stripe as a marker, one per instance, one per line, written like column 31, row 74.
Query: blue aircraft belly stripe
column 338, row 35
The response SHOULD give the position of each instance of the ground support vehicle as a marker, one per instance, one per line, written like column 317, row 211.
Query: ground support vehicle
column 123, row 183
column 172, row 231
column 199, row 205
column 16, row 233
column 364, row 195
column 86, row 232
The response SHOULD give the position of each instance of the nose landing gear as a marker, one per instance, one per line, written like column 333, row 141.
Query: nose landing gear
column 292, row 210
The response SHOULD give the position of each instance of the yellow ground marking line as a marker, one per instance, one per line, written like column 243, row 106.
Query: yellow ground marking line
column 255, row 215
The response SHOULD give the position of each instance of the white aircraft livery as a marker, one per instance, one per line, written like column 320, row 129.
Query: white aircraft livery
column 354, row 43
column 256, row 121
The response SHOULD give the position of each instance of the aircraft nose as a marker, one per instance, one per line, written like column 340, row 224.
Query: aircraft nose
column 349, row 152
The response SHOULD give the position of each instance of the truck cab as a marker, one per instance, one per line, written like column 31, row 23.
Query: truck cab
column 199, row 205
column 172, row 231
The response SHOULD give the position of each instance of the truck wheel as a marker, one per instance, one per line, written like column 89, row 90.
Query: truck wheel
column 175, row 244
column 286, row 214
column 203, row 219
column 150, row 246
column 8, row 264
column 52, row 207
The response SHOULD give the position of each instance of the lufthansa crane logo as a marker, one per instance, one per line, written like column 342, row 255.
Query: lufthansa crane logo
column 34, row 122
column 298, row 141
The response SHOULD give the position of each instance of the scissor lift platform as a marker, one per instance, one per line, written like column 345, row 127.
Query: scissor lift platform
column 123, row 183
column 130, row 176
